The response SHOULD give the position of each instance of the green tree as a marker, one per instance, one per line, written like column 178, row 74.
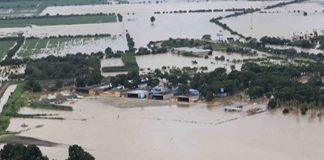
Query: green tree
column 21, row 152
column 152, row 19
column 37, row 87
column 209, row 96
column 58, row 84
column 272, row 103
column 77, row 153
column 119, row 17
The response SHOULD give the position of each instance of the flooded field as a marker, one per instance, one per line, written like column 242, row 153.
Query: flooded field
column 282, row 22
column 125, row 128
column 198, row 131
column 179, row 61
column 137, row 16
column 36, row 48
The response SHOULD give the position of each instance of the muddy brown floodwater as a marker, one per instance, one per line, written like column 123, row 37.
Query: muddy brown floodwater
column 166, row 131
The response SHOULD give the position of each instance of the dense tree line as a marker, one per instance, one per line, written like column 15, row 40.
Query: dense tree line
column 130, row 43
column 225, row 27
column 19, row 41
column 283, row 4
column 289, row 53
column 85, row 68
column 72, row 36
column 32, row 152
column 56, row 16
column 311, row 43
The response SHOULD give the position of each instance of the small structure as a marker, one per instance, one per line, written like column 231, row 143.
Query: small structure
column 141, row 94
column 191, row 96
column 188, row 98
column 162, row 96
column 191, row 51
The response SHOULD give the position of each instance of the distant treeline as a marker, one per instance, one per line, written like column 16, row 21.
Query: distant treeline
column 205, row 11
column 284, row 4
column 225, row 27
column 303, row 43
column 72, row 36
column 57, row 16
column 84, row 68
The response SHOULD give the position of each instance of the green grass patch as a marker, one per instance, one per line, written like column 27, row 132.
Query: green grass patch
column 50, row 106
column 4, row 123
column 129, row 61
column 34, row 7
column 53, row 45
column 16, row 100
column 220, row 47
column 57, row 20
column 175, row 43
column 115, row 69
column 5, row 45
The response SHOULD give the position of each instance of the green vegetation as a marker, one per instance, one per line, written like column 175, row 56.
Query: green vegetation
column 32, row 152
column 287, row 53
column 279, row 81
column 77, row 153
column 221, row 47
column 5, row 45
column 21, row 152
column 283, row 4
column 34, row 46
column 225, row 27
column 279, row 41
column 85, row 68
column 130, row 43
column 50, row 106
column 129, row 61
column 16, row 100
column 175, row 43
column 57, row 20
column 13, row 50
column 34, row 7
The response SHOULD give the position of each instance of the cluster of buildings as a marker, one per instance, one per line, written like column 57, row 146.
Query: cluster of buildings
column 142, row 92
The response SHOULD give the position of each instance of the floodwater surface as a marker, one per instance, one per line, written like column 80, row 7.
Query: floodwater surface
column 193, row 132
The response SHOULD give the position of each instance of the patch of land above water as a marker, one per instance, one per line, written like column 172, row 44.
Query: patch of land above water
column 56, row 20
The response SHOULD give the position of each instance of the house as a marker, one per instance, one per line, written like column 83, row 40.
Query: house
column 191, row 96
column 141, row 94
column 191, row 51
column 188, row 98
column 162, row 96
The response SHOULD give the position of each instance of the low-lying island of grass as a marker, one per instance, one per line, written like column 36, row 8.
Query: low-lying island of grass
column 129, row 61
column 57, row 20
